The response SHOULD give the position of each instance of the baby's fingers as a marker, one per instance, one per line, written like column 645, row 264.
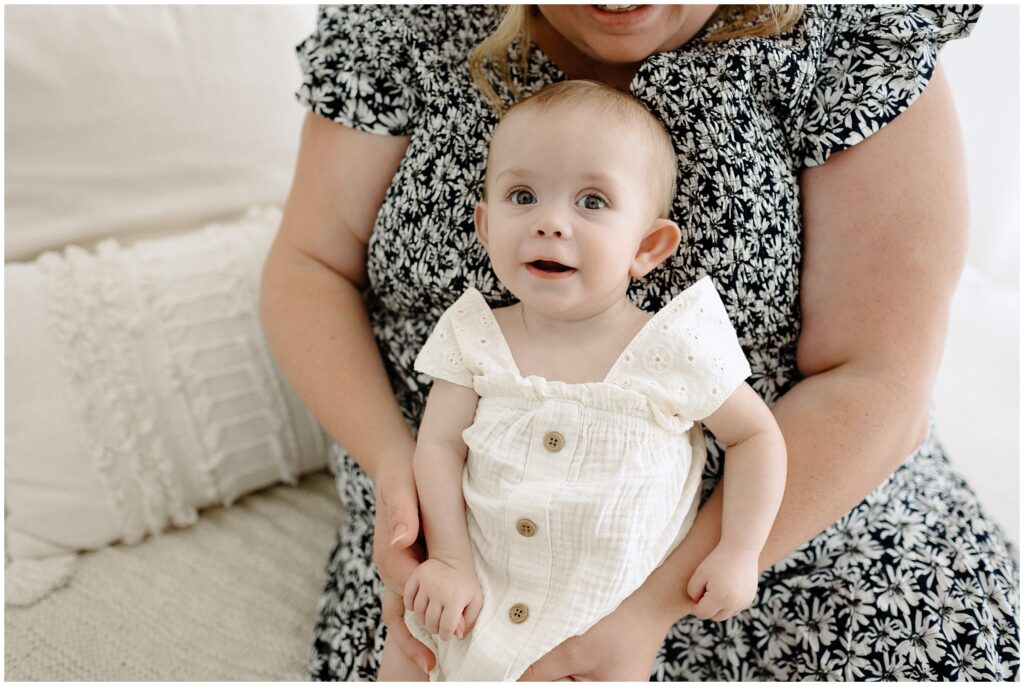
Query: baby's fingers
column 411, row 588
column 697, row 585
column 726, row 613
column 433, row 618
column 419, row 605
column 473, row 610
column 451, row 621
column 730, row 610
column 708, row 607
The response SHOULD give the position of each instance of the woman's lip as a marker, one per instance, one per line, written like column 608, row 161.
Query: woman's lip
column 549, row 275
column 619, row 20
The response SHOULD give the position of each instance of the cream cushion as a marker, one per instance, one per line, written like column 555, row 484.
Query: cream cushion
column 140, row 390
column 135, row 120
column 232, row 598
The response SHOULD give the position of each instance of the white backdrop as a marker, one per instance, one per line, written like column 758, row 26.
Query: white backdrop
column 142, row 167
column 977, row 395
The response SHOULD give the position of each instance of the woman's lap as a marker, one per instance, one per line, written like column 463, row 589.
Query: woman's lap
column 915, row 583
column 349, row 636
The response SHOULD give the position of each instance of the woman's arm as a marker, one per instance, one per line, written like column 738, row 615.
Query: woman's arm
column 885, row 236
column 885, row 231
column 315, row 319
column 320, row 335
column 311, row 301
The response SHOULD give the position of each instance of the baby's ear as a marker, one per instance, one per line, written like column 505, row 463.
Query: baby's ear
column 480, row 222
column 661, row 241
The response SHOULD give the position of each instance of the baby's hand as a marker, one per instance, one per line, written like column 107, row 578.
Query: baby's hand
column 446, row 599
column 725, row 583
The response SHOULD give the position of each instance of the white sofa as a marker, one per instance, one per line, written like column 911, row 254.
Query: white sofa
column 139, row 391
column 146, row 425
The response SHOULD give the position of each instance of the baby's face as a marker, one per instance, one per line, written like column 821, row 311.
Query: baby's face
column 570, row 198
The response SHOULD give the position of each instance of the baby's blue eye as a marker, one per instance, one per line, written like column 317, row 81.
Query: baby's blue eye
column 591, row 202
column 522, row 197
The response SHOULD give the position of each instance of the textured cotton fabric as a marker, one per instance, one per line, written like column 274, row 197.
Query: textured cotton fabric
column 916, row 582
column 608, row 504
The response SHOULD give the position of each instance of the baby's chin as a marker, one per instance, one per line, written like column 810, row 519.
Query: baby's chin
column 563, row 306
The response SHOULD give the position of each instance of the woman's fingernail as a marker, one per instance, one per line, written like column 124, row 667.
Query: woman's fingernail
column 460, row 633
column 398, row 532
column 422, row 662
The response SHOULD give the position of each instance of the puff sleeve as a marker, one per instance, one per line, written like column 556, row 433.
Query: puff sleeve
column 875, row 61
column 357, row 68
column 687, row 359
column 441, row 356
column 709, row 363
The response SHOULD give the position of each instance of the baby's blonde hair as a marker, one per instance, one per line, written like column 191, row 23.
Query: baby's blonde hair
column 620, row 108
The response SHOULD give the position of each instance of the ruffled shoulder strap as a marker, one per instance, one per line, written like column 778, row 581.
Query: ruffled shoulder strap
column 687, row 357
column 465, row 343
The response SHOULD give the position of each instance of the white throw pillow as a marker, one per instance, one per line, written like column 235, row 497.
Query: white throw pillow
column 139, row 389
column 137, row 120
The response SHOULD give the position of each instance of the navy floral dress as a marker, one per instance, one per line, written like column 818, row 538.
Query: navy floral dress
column 916, row 582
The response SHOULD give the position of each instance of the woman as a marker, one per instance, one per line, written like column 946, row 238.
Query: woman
column 835, row 243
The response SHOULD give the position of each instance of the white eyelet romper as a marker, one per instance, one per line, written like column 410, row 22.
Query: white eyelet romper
column 575, row 493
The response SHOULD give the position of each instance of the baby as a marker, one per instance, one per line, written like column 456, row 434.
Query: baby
column 560, row 455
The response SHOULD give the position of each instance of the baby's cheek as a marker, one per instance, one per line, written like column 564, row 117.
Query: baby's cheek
column 504, row 270
column 612, row 260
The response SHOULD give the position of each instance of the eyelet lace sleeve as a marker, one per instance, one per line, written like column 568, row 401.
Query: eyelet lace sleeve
column 687, row 359
column 442, row 356
column 357, row 68
column 876, row 60
column 708, row 363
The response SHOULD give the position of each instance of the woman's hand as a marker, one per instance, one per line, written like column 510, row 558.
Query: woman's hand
column 621, row 647
column 392, row 613
column 396, row 550
column 397, row 522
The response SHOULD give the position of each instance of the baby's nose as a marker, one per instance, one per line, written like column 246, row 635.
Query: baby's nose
column 557, row 233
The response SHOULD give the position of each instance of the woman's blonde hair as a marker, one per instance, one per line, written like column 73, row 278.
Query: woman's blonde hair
column 739, row 21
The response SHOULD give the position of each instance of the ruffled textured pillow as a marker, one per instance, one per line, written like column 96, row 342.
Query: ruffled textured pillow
column 140, row 389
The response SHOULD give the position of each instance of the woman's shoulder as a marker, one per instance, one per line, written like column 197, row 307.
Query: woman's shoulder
column 444, row 20
column 870, row 62
column 952, row 21
column 459, row 27
column 947, row 21
column 838, row 74
column 820, row 32
column 375, row 67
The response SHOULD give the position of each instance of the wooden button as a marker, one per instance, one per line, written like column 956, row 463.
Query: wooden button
column 553, row 441
column 526, row 528
column 518, row 613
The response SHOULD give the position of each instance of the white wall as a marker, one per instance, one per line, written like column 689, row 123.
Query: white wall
column 977, row 395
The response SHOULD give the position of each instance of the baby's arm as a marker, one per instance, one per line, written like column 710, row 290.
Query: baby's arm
column 444, row 590
column 755, row 477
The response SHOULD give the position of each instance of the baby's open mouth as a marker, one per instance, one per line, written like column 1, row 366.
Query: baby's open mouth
column 550, row 266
